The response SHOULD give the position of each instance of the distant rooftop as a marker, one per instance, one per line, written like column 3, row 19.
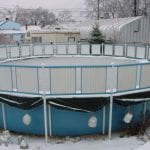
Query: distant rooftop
column 11, row 32
column 30, row 28
column 2, row 22
column 107, row 26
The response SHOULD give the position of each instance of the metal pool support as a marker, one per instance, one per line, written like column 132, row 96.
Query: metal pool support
column 45, row 105
column 104, row 118
column 4, row 116
column 110, row 116
column 144, row 111
column 45, row 119
column 111, row 104
column 50, row 120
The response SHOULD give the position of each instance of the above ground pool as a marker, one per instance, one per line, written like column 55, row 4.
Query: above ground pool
column 72, row 90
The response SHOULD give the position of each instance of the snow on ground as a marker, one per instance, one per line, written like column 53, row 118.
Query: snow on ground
column 145, row 146
column 96, row 142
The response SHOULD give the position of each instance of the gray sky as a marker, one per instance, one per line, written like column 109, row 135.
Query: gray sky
column 50, row 4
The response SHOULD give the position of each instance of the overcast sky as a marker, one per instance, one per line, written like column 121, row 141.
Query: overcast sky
column 50, row 4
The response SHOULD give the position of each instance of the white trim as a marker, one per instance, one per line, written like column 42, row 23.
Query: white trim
column 18, row 103
column 53, row 103
column 133, row 100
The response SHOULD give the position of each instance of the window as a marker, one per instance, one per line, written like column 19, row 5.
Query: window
column 71, row 39
column 28, row 34
column 36, row 39
column 137, row 26
column 22, row 37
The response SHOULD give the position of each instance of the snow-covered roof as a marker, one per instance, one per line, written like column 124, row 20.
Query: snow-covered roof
column 61, row 28
column 2, row 22
column 30, row 28
column 9, row 25
column 11, row 32
column 107, row 26
column 56, row 31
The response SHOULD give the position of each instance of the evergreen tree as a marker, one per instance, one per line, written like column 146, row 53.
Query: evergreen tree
column 96, row 35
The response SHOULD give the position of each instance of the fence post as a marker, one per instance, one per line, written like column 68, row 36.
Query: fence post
column 147, row 52
column 20, row 51
column 78, row 48
column 125, row 50
column 9, row 51
column 102, row 49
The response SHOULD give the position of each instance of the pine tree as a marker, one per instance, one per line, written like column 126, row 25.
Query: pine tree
column 96, row 35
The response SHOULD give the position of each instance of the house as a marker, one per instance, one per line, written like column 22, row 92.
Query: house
column 55, row 34
column 29, row 29
column 10, row 32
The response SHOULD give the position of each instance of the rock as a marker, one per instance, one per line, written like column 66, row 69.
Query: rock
column 72, row 139
column 67, row 138
column 19, row 139
column 5, row 137
column 59, row 141
column 24, row 145
column 78, row 138
column 6, row 134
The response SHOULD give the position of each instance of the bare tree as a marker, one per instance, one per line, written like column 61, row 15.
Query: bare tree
column 65, row 16
column 144, row 7
column 117, row 8
column 107, row 8
column 91, row 7
column 38, row 16
column 7, row 13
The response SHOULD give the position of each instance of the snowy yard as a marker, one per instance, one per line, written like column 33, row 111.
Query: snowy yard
column 95, row 142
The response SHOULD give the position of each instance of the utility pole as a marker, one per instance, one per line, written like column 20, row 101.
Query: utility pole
column 98, row 2
column 135, row 8
column 145, row 9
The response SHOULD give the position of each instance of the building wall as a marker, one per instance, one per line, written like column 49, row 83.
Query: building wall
column 136, row 32
column 17, row 37
column 120, row 30
column 55, row 37
column 11, row 31
column 14, row 37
